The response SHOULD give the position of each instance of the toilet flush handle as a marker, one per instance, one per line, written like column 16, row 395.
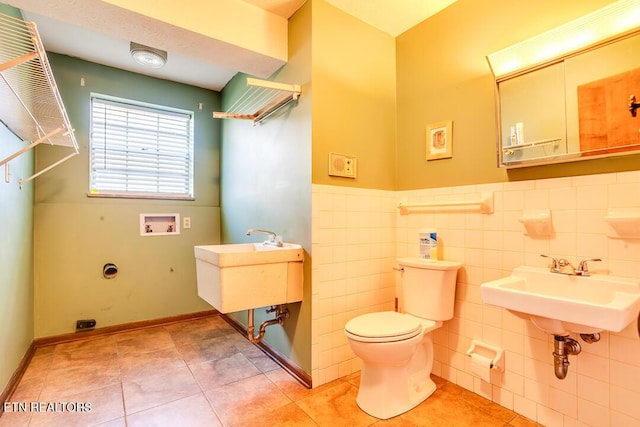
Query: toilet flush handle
column 398, row 268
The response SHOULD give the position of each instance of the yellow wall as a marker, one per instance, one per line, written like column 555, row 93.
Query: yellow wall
column 353, row 74
column 442, row 74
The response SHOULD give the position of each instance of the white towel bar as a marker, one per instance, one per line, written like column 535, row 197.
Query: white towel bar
column 484, row 204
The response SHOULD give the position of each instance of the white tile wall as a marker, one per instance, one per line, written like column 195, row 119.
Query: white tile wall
column 353, row 252
column 358, row 233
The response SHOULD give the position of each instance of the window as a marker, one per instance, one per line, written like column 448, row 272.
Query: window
column 140, row 150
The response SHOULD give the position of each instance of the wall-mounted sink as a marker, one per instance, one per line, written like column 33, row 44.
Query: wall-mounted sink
column 559, row 303
column 244, row 276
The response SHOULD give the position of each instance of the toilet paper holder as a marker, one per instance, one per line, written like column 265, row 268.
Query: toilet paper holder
column 494, row 353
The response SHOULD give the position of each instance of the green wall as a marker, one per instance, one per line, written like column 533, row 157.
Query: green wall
column 76, row 235
column 266, row 183
column 16, row 261
column 442, row 74
column 16, row 251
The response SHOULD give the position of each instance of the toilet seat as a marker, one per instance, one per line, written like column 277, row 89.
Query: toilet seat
column 384, row 326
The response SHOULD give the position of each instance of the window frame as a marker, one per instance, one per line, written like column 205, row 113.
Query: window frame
column 134, row 105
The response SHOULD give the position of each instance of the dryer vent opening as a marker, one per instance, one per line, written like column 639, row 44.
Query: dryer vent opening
column 109, row 271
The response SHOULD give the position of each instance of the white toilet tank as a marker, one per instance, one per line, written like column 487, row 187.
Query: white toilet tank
column 429, row 287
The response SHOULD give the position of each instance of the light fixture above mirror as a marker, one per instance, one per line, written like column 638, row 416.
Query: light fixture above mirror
column 583, row 33
column 148, row 56
column 570, row 94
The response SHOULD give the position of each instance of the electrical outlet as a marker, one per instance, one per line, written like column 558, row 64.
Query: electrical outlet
column 186, row 222
column 83, row 325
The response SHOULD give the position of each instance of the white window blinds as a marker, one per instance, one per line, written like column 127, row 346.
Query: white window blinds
column 140, row 150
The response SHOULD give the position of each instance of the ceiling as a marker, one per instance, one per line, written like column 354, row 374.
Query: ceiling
column 96, row 31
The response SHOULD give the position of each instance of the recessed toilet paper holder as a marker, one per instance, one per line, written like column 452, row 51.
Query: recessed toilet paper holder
column 494, row 353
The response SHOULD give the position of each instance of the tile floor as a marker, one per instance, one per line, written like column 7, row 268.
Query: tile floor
column 204, row 373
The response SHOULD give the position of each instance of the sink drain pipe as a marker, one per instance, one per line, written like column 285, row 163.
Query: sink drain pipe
column 563, row 346
column 281, row 314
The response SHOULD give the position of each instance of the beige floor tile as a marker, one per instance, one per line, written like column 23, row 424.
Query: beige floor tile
column 396, row 422
column 444, row 409
column 203, row 372
column 150, row 363
column 192, row 411
column 15, row 419
column 120, row 422
column 353, row 379
column 289, row 415
column 64, row 382
column 87, row 345
column 336, row 406
column 263, row 362
column 28, row 390
column 240, row 402
column 204, row 350
column 147, row 392
column 521, row 421
column 219, row 372
column 292, row 388
column 199, row 330
column 144, row 341
column 105, row 405
column 40, row 363
column 93, row 350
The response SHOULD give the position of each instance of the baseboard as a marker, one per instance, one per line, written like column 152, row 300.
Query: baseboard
column 295, row 371
column 108, row 330
column 17, row 376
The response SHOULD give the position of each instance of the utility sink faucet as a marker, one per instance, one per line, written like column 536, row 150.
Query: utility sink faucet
column 273, row 238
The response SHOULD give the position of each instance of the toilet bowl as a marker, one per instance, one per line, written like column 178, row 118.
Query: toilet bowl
column 396, row 367
column 396, row 349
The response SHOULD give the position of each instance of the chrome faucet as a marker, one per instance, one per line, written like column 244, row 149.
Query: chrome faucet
column 560, row 265
column 583, row 268
column 555, row 263
column 274, row 239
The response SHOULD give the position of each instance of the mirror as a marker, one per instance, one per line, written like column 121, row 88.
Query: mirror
column 575, row 106
column 574, row 109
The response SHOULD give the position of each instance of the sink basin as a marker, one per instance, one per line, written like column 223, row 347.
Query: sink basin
column 559, row 303
column 243, row 276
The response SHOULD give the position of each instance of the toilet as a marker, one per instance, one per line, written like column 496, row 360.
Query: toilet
column 396, row 349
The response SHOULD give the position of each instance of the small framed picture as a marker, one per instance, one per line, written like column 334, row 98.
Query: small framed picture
column 439, row 140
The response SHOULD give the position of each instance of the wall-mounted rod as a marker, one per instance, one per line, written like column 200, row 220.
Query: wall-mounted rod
column 30, row 146
column 17, row 61
column 484, row 205
column 35, row 175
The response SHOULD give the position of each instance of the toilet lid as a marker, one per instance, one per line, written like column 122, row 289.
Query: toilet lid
column 383, row 326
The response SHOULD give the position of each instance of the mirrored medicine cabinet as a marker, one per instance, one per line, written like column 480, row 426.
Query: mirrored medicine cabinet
column 579, row 106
